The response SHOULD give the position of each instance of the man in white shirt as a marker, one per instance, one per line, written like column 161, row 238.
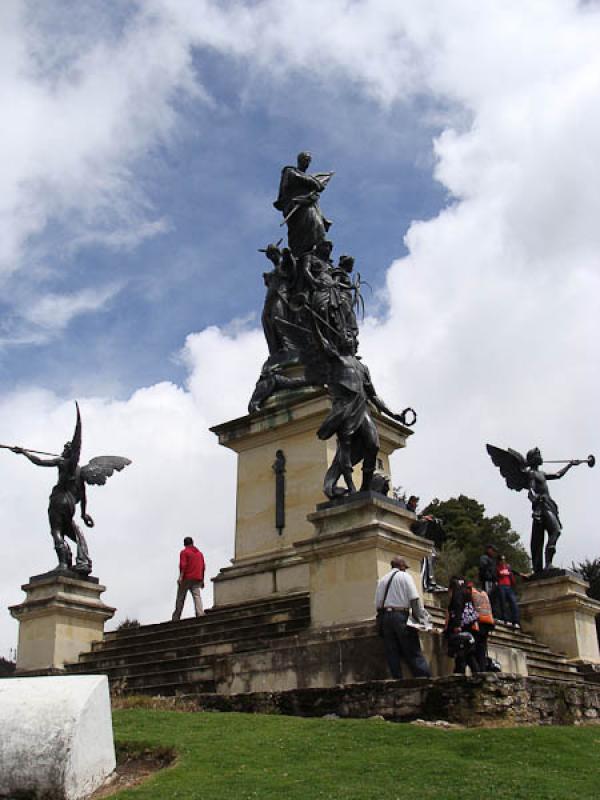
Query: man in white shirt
column 397, row 594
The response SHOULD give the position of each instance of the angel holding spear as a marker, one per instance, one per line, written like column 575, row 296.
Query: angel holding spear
column 68, row 492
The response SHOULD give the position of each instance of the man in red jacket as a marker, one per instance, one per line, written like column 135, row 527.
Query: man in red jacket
column 191, row 577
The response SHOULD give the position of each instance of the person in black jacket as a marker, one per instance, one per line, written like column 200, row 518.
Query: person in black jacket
column 488, row 579
column 461, row 623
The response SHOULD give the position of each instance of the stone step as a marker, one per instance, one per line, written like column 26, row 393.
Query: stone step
column 169, row 688
column 171, row 656
column 190, row 673
column 547, row 669
column 200, row 624
column 189, row 656
column 202, row 636
column 117, row 660
column 507, row 637
column 213, row 617
column 552, row 658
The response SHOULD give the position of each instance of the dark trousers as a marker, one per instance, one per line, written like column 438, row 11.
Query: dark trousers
column 491, row 587
column 402, row 644
column 509, row 606
column 481, row 642
column 464, row 660
column 465, row 655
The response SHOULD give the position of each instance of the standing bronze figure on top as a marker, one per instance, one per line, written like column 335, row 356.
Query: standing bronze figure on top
column 525, row 473
column 70, row 491
column 310, row 319
column 298, row 201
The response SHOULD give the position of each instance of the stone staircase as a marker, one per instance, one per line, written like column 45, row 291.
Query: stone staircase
column 178, row 657
column 262, row 642
column 542, row 662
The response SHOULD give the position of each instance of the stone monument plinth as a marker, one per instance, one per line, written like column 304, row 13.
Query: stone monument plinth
column 354, row 541
column 57, row 738
column 59, row 619
column 557, row 610
column 266, row 560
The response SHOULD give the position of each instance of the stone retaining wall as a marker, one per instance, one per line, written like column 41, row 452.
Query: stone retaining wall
column 472, row 701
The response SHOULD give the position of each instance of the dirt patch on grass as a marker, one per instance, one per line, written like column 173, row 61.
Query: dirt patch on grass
column 135, row 764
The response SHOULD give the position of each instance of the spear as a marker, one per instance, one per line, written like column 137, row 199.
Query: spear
column 37, row 452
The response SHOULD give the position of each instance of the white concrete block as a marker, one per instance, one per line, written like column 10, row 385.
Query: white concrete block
column 56, row 737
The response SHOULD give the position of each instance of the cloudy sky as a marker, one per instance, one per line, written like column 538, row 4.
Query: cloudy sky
column 140, row 152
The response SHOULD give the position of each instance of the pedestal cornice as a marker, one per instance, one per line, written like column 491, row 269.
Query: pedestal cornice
column 299, row 416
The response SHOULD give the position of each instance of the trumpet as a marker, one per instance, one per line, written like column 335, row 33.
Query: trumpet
column 590, row 461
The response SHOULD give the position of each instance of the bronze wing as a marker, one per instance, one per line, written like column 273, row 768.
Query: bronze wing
column 76, row 440
column 512, row 466
column 101, row 468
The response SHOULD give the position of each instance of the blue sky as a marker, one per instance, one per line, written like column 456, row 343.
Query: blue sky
column 212, row 188
column 141, row 149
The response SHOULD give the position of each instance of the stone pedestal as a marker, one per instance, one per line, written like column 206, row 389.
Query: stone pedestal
column 558, row 612
column 354, row 542
column 265, row 560
column 57, row 738
column 60, row 618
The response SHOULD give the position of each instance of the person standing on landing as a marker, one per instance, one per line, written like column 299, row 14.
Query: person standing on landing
column 191, row 578
column 488, row 578
column 508, row 599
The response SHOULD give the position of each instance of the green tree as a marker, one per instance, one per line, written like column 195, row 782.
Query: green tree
column 128, row 624
column 590, row 572
column 7, row 667
column 466, row 530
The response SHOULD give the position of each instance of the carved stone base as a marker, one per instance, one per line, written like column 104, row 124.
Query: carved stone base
column 556, row 609
column 354, row 541
column 266, row 561
column 60, row 618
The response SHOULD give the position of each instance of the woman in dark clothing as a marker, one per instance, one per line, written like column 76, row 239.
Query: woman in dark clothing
column 461, row 622
column 485, row 624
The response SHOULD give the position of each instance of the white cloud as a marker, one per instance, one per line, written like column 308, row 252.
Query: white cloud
column 79, row 124
column 53, row 312
column 493, row 324
column 180, row 482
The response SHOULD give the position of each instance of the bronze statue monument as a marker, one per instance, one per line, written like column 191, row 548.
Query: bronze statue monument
column 69, row 491
column 310, row 318
column 526, row 473
column 298, row 201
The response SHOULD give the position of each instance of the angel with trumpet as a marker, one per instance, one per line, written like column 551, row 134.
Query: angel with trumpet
column 525, row 473
column 69, row 492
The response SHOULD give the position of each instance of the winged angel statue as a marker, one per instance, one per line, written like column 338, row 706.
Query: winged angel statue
column 69, row 491
column 524, row 473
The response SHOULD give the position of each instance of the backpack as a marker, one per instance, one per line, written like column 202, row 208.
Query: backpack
column 469, row 615
column 482, row 605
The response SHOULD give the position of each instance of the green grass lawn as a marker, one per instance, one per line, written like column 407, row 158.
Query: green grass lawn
column 257, row 756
